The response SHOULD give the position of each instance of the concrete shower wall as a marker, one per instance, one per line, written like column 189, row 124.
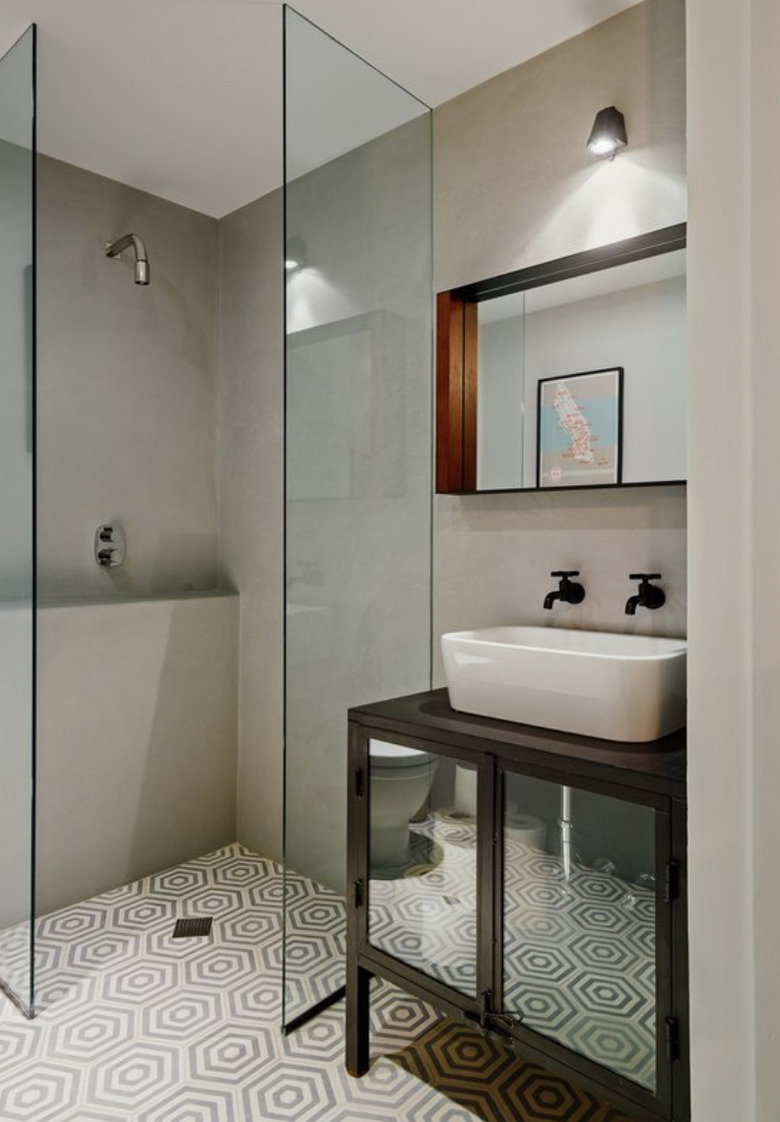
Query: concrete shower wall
column 251, row 500
column 136, row 739
column 136, row 690
column 126, row 388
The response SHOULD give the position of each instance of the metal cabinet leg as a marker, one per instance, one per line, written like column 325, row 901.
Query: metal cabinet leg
column 358, row 1027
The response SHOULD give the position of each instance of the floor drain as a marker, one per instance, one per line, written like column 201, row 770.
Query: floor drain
column 192, row 928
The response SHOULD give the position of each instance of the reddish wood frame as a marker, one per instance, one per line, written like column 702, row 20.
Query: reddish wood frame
column 456, row 394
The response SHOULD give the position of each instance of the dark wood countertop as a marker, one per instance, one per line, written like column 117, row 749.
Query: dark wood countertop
column 659, row 766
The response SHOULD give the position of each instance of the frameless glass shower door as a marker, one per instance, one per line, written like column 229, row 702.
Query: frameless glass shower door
column 17, row 557
column 358, row 455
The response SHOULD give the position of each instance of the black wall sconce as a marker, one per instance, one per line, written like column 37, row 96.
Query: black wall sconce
column 608, row 133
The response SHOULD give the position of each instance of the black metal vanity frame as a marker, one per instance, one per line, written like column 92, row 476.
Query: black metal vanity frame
column 650, row 775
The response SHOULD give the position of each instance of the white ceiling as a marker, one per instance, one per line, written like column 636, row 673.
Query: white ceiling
column 183, row 97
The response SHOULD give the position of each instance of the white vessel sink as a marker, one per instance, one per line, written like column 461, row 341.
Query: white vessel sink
column 618, row 687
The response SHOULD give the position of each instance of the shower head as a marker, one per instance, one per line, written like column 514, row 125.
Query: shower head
column 141, row 269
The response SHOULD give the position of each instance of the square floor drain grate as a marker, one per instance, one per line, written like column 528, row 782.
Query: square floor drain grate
column 192, row 928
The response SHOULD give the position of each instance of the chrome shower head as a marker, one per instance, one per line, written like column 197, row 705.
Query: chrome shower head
column 141, row 268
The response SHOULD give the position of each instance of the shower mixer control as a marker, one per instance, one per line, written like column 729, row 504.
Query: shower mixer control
column 110, row 547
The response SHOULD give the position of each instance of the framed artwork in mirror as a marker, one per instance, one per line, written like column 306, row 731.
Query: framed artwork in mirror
column 579, row 429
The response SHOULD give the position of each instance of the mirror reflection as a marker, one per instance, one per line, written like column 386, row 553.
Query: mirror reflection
column 626, row 324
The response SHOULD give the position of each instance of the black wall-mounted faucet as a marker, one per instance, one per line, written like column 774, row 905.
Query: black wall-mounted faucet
column 569, row 592
column 648, row 596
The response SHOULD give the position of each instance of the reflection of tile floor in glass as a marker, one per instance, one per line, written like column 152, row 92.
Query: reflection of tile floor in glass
column 579, row 959
column 137, row 1027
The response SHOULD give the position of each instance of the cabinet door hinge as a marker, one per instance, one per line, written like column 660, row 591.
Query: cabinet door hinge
column 494, row 1020
column 672, row 1029
column 359, row 783
column 671, row 882
column 357, row 894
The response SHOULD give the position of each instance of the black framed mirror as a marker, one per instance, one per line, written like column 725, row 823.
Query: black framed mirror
column 567, row 374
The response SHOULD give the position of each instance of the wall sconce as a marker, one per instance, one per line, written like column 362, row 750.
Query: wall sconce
column 608, row 133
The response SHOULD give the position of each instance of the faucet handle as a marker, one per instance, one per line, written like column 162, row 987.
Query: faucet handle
column 649, row 595
column 565, row 573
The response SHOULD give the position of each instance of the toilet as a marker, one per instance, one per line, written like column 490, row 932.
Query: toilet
column 401, row 780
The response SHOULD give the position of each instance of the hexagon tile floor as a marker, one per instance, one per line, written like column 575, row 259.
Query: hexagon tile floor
column 135, row 1026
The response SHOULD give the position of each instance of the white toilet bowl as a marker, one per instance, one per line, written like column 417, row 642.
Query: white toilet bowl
column 401, row 780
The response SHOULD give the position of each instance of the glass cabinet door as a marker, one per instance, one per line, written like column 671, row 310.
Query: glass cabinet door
column 580, row 960
column 422, row 858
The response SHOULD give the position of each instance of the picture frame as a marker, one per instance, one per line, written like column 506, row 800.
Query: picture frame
column 579, row 429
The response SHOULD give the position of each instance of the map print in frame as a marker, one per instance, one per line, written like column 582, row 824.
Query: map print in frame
column 579, row 429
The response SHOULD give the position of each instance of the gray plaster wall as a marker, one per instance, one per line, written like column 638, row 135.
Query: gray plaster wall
column 251, row 499
column 126, row 388
column 514, row 183
column 136, row 751
column 137, row 680
column 514, row 186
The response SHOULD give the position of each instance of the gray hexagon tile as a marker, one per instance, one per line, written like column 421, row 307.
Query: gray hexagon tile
column 179, row 883
column 136, row 1026
column 91, row 1034
column 139, row 981
column 254, row 927
column 231, row 1054
column 218, row 900
column 186, row 1104
column 257, row 999
column 72, row 925
column 219, row 966
column 144, row 914
column 60, row 991
column 134, row 1077
column 18, row 1042
column 294, row 1092
column 181, row 1014
column 37, row 1091
column 319, row 1039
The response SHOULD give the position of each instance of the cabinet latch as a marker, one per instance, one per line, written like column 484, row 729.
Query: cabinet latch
column 671, row 881
column 672, row 1029
column 359, row 783
column 357, row 893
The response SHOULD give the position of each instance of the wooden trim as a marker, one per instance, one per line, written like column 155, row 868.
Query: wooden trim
column 470, row 327
column 449, row 393
column 456, row 394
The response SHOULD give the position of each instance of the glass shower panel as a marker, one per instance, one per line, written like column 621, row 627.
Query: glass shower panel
column 17, row 155
column 358, row 455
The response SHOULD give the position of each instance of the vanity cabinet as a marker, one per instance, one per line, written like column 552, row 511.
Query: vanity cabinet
column 538, row 891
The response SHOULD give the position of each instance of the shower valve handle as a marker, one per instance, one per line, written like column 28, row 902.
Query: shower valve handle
column 110, row 545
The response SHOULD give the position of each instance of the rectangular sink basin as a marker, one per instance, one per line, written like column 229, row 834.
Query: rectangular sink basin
column 617, row 687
